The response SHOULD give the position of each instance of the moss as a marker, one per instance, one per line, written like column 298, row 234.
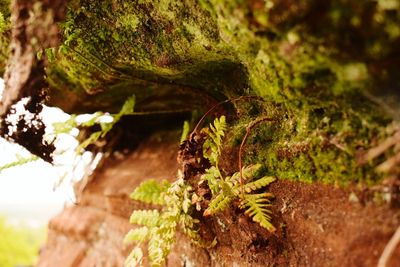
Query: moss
column 320, row 65
column 4, row 33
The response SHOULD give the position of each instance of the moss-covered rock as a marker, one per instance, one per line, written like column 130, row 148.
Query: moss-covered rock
column 324, row 69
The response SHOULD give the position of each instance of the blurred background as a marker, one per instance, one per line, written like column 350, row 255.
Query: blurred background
column 31, row 192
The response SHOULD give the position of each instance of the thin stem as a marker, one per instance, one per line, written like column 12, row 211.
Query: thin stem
column 249, row 127
column 221, row 103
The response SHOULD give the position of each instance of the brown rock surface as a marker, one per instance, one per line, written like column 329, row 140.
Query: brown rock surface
column 317, row 225
column 91, row 232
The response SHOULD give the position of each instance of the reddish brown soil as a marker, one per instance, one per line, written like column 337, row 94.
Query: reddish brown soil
column 317, row 224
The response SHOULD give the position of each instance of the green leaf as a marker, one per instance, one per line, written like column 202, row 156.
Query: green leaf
column 258, row 208
column 211, row 176
column 3, row 23
column 149, row 218
column 135, row 258
column 151, row 191
column 66, row 126
column 259, row 183
column 185, row 131
column 20, row 161
column 212, row 146
column 138, row 235
column 219, row 203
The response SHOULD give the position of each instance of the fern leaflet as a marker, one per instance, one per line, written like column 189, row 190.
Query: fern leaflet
column 150, row 192
column 149, row 218
column 138, row 235
column 212, row 146
column 258, row 208
column 258, row 184
column 211, row 176
column 135, row 258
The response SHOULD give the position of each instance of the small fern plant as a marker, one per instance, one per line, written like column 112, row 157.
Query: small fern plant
column 226, row 189
column 105, row 127
column 159, row 227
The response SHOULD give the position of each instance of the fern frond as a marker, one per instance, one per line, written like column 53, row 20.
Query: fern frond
column 126, row 109
column 66, row 126
column 258, row 184
column 156, row 252
column 149, row 218
column 249, row 173
column 160, row 243
column 219, row 203
column 20, row 161
column 150, row 191
column 138, row 235
column 135, row 258
column 212, row 146
column 211, row 176
column 185, row 131
column 258, row 208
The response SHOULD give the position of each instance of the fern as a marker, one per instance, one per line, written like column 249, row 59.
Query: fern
column 105, row 127
column 149, row 218
column 135, row 258
column 211, row 176
column 258, row 184
column 179, row 201
column 159, row 227
column 258, row 208
column 150, row 192
column 225, row 190
column 137, row 235
column 20, row 161
column 185, row 131
column 219, row 203
column 212, row 146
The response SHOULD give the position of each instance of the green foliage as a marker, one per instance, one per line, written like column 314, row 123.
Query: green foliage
column 212, row 146
column 150, row 192
column 20, row 161
column 19, row 246
column 105, row 127
column 185, row 131
column 225, row 190
column 229, row 189
column 2, row 23
column 4, row 34
column 257, row 207
column 159, row 227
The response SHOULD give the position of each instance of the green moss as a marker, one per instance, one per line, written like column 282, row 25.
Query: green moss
column 316, row 63
column 4, row 33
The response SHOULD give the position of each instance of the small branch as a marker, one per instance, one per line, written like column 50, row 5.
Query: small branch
column 249, row 127
column 389, row 249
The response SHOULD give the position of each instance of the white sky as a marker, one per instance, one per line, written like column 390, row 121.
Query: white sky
column 27, row 192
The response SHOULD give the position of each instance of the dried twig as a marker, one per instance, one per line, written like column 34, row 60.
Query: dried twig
column 390, row 247
column 381, row 148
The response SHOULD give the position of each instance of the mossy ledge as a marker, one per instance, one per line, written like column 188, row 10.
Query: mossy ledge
column 326, row 70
